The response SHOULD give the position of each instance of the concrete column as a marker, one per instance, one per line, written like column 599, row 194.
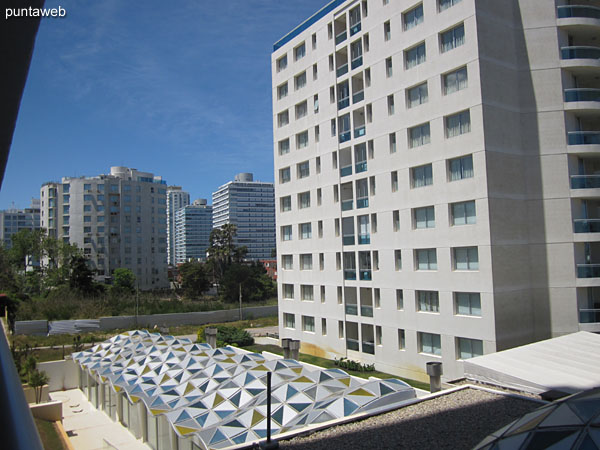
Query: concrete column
column 435, row 371
column 211, row 336
column 285, row 345
column 294, row 349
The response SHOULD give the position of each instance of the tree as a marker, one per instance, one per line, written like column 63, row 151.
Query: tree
column 222, row 251
column 37, row 380
column 80, row 277
column 194, row 279
column 123, row 281
column 26, row 244
column 256, row 284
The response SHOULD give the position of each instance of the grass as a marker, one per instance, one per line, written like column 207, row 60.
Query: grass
column 49, row 435
column 270, row 321
column 330, row 364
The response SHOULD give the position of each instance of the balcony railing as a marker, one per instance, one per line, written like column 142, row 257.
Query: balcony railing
column 345, row 171
column 352, row 310
column 585, row 181
column 588, row 270
column 584, row 137
column 349, row 274
column 359, row 131
column 366, row 310
column 365, row 275
column 347, row 205
column 582, row 95
column 368, row 347
column 345, row 136
column 591, row 12
column 361, row 167
column 364, row 239
column 580, row 52
column 358, row 96
column 589, row 315
column 587, row 225
column 352, row 344
column 362, row 203
column 348, row 240
column 354, row 29
column 356, row 62
column 343, row 103
column 342, row 70
column 340, row 37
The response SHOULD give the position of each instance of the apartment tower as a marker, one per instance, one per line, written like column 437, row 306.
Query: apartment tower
column 176, row 199
column 14, row 220
column 193, row 224
column 436, row 177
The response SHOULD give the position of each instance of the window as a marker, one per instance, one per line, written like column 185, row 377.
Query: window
column 460, row 168
column 396, row 220
column 413, row 17
column 340, row 329
column 371, row 149
column 284, row 146
column 394, row 181
column 332, row 127
column 306, row 293
column 322, row 288
column 452, row 38
column 87, row 218
column 378, row 335
column 388, row 67
column 299, row 52
column 469, row 348
column 286, row 233
column 303, row 169
column 86, row 198
column 314, row 41
column 282, row 91
column 426, row 259
column 455, row 81
column 288, row 291
column 415, row 56
column 463, row 213
column 284, row 175
column 428, row 301
column 372, row 185
column 430, row 343
column 289, row 320
column 324, row 327
column 306, row 262
column 287, row 261
column 300, row 81
column 285, row 203
column 424, row 217
column 467, row 304
column 401, row 340
column 316, row 110
column 331, row 66
column 390, row 103
column 398, row 259
column 387, row 31
column 87, row 187
column 305, row 230
column 302, row 140
column 318, row 161
column 304, row 200
column 329, row 30
column 416, row 95
column 445, row 4
column 421, row 176
column 319, row 197
column 315, row 72
column 466, row 258
column 308, row 324
column 283, row 118
column 301, row 109
column 419, row 135
column 369, row 113
column 399, row 299
column 66, row 198
column 368, row 77
column 281, row 63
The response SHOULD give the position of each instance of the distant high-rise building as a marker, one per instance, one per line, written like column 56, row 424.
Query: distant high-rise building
column 176, row 199
column 119, row 220
column 193, row 224
column 250, row 206
column 14, row 220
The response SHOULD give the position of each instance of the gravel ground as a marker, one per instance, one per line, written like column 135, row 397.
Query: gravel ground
column 459, row 420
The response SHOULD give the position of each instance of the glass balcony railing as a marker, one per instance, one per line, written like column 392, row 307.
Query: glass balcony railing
column 368, row 347
column 365, row 275
column 580, row 52
column 588, row 270
column 366, row 311
column 354, row 29
column 583, row 137
column 343, row 103
column 361, row 167
column 585, row 181
column 347, row 205
column 342, row 70
column 362, row 203
column 587, row 225
column 348, row 240
column 345, row 136
column 358, row 96
column 352, row 344
column 591, row 12
column 349, row 274
column 359, row 131
column 356, row 62
column 582, row 95
column 364, row 239
column 340, row 38
column 352, row 310
column 589, row 315
column 345, row 171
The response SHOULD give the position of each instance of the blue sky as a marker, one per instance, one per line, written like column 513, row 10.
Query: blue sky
column 181, row 89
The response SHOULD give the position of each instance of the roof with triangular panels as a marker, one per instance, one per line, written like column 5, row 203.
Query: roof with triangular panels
column 218, row 397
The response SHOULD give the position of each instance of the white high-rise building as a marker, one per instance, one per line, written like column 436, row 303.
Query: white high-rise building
column 436, row 178
column 14, row 220
column 250, row 206
column 119, row 220
column 193, row 224
column 176, row 199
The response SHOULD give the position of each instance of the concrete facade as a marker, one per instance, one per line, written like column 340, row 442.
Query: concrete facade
column 14, row 220
column 436, row 187
column 193, row 224
column 176, row 199
column 119, row 220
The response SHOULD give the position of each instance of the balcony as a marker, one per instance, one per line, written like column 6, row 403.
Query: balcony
column 361, row 167
column 583, row 137
column 585, row 181
column 589, row 315
column 349, row 274
column 587, row 225
column 590, row 12
column 356, row 62
column 364, row 239
column 358, row 96
column 580, row 58
column 341, row 37
column 352, row 310
column 368, row 347
column 352, row 344
column 362, row 203
column 355, row 29
column 345, row 136
column 366, row 310
column 343, row 103
column 365, row 275
column 588, row 270
column 347, row 205
column 348, row 240
column 345, row 171
column 341, row 70
column 359, row 131
column 582, row 95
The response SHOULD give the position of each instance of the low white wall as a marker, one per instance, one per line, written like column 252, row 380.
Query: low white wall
column 51, row 411
column 63, row 374
column 30, row 393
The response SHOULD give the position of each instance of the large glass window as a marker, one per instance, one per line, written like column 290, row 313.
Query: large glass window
column 288, row 291
column 413, row 17
column 307, row 292
column 457, row 124
column 455, row 81
column 286, row 233
column 305, row 230
column 445, row 4
column 287, row 261
column 467, row 303
column 289, row 320
column 303, row 169
column 417, row 95
column 304, row 200
column 421, row 176
column 283, row 118
column 301, row 109
column 461, row 168
column 308, row 324
column 415, row 56
column 282, row 91
column 463, row 213
column 430, row 343
column 299, row 52
column 466, row 258
column 286, row 203
column 300, row 81
column 424, row 217
column 469, row 348
column 452, row 38
column 426, row 259
column 428, row 301
column 284, row 175
column 306, row 261
column 419, row 135
column 284, row 146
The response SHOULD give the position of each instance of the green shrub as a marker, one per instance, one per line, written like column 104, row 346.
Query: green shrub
column 228, row 336
column 348, row 364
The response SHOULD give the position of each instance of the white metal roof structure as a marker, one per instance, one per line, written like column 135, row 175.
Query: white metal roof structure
column 569, row 363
